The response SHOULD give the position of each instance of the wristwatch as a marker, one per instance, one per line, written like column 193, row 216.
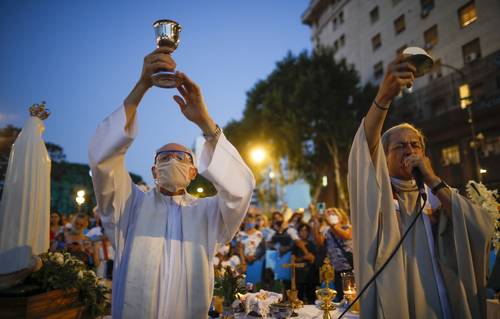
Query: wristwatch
column 210, row 137
column 438, row 187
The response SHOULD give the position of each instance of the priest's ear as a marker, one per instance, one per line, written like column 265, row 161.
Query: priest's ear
column 153, row 172
column 193, row 172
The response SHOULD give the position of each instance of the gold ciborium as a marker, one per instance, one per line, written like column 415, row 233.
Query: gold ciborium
column 293, row 299
column 167, row 35
column 326, row 296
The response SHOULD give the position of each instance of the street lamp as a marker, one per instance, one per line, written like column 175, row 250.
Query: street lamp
column 466, row 103
column 258, row 155
column 80, row 199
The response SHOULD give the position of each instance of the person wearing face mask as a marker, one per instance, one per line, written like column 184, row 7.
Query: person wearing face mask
column 439, row 270
column 254, row 248
column 165, row 239
column 336, row 239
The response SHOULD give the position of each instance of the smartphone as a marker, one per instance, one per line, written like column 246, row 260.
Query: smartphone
column 321, row 207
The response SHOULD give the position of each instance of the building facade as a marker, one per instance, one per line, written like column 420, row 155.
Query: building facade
column 457, row 104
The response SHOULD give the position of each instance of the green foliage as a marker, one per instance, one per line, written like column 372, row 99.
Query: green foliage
column 307, row 111
column 228, row 283
column 60, row 270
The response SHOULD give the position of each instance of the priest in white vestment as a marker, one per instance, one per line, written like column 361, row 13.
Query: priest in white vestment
column 440, row 270
column 165, row 239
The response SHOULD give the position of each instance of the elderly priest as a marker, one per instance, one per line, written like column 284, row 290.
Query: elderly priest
column 440, row 269
column 165, row 239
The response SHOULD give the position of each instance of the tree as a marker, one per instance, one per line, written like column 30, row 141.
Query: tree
column 307, row 110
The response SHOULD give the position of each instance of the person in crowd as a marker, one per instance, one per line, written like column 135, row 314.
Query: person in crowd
column 165, row 239
column 55, row 225
column 338, row 245
column 307, row 277
column 440, row 269
column 262, row 224
column 254, row 248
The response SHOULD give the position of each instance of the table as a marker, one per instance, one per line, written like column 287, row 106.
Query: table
column 311, row 312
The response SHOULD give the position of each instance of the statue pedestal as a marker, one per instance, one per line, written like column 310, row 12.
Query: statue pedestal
column 56, row 304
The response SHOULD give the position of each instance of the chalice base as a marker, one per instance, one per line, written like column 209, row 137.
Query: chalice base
column 165, row 79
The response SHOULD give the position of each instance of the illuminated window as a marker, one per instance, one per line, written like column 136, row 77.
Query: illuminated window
column 431, row 37
column 376, row 41
column 465, row 97
column 450, row 155
column 467, row 14
column 374, row 15
column 378, row 70
column 399, row 24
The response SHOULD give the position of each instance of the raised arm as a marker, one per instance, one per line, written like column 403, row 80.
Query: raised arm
column 399, row 75
column 220, row 162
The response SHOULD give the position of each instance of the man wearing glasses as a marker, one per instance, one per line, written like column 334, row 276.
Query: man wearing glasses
column 165, row 239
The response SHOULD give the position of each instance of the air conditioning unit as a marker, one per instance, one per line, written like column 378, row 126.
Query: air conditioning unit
column 471, row 57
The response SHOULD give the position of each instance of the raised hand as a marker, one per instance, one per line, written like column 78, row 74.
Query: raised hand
column 192, row 104
column 159, row 59
column 400, row 73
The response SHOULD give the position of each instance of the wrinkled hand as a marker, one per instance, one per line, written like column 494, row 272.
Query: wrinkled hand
column 400, row 74
column 424, row 165
column 192, row 103
column 159, row 59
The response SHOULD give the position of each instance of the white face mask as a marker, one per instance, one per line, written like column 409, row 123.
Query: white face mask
column 172, row 175
column 333, row 219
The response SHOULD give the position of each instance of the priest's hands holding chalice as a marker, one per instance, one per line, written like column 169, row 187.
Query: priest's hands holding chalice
column 400, row 74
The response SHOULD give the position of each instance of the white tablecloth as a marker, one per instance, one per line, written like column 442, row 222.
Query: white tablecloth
column 312, row 312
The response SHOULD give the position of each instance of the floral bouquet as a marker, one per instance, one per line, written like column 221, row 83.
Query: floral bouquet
column 60, row 270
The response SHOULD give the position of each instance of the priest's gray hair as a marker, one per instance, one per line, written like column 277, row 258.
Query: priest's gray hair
column 386, row 137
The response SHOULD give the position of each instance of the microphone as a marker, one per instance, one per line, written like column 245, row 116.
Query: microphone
column 419, row 179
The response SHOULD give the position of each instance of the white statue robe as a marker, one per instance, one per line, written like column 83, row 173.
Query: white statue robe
column 165, row 245
column 409, row 287
column 25, row 204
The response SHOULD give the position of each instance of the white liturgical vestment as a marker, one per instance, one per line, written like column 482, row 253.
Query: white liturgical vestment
column 165, row 244
column 439, row 271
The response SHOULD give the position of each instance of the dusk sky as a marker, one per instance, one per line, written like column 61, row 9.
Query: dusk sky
column 84, row 57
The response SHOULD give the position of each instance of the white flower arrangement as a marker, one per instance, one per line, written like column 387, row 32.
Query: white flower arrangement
column 487, row 199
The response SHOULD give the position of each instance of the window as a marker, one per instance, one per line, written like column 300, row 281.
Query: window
column 374, row 15
column 401, row 49
column 378, row 70
column 376, row 41
column 395, row 2
column 471, row 51
column 342, row 40
column 399, row 24
column 465, row 96
column 336, row 45
column 450, row 155
column 467, row 14
column 491, row 146
column 431, row 37
column 334, row 24
column 341, row 17
column 426, row 7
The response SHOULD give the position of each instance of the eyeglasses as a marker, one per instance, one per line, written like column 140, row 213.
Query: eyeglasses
column 181, row 156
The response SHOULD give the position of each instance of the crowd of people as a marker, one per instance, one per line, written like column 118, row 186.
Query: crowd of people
column 84, row 237
column 265, row 243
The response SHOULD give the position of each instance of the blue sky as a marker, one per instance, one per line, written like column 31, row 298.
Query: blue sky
column 83, row 58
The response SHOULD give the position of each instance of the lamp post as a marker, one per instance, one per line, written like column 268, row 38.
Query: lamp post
column 80, row 199
column 466, row 103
